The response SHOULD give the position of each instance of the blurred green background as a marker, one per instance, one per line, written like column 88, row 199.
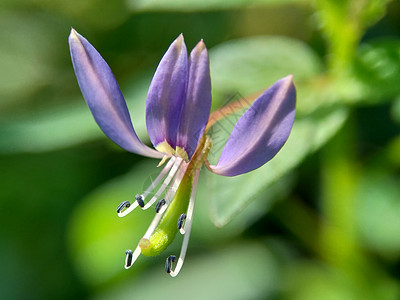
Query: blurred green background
column 320, row 221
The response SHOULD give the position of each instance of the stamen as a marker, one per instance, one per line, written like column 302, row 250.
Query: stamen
column 160, row 209
column 188, row 227
column 131, row 257
column 170, row 195
column 159, row 177
column 163, row 160
column 159, row 205
column 166, row 182
column 131, row 207
column 168, row 263
column 128, row 259
column 140, row 200
column 181, row 220
column 123, row 205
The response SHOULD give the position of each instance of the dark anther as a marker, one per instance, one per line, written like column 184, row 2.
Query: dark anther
column 168, row 263
column 123, row 205
column 140, row 200
column 159, row 205
column 181, row 219
column 128, row 260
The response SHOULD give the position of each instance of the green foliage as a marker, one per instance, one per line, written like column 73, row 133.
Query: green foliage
column 377, row 67
column 250, row 65
column 343, row 23
column 26, row 54
column 98, row 238
column 220, row 278
column 308, row 135
column 66, row 125
column 201, row 5
column 318, row 221
column 379, row 224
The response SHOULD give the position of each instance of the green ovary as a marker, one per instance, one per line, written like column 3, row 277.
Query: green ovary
column 166, row 230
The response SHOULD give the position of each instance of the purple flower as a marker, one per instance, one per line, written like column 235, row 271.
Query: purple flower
column 177, row 112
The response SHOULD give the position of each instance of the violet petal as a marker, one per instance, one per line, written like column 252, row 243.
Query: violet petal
column 103, row 96
column 261, row 132
column 196, row 108
column 167, row 94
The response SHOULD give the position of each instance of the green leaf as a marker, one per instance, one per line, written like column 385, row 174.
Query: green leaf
column 310, row 280
column 49, row 129
column 240, row 271
column 395, row 111
column 201, row 5
column 372, row 79
column 58, row 127
column 377, row 210
column 343, row 23
column 102, row 14
column 98, row 237
column 26, row 51
column 244, row 66
column 372, row 11
column 249, row 65
column 376, row 72
column 229, row 195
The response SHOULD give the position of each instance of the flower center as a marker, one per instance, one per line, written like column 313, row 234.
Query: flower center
column 166, row 148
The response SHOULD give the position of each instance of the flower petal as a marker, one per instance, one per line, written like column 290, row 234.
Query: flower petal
column 196, row 108
column 167, row 94
column 103, row 96
column 261, row 132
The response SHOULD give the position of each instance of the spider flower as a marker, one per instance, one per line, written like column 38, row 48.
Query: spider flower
column 177, row 112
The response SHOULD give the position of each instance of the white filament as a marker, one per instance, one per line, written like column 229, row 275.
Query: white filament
column 159, row 177
column 176, row 163
column 170, row 195
column 173, row 166
column 188, row 226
